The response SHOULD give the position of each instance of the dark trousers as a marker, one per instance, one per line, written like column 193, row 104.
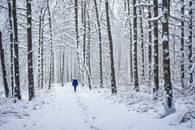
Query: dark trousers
column 75, row 89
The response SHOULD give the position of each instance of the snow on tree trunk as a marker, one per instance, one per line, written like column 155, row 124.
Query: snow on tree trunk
column 88, row 61
column 16, row 55
column 142, row 43
column 11, row 46
column 51, row 65
column 182, row 44
column 62, row 70
column 100, row 42
column 39, row 50
column 2, row 58
column 113, row 80
column 77, row 35
column 149, row 46
column 130, row 42
column 190, row 43
column 168, row 102
column 135, row 69
column 84, row 38
column 156, row 51
column 30, row 53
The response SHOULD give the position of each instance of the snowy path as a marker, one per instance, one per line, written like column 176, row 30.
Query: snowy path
column 85, row 111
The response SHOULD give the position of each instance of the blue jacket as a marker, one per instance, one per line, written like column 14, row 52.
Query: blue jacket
column 74, row 82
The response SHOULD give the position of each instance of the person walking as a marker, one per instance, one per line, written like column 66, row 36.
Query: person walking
column 75, row 84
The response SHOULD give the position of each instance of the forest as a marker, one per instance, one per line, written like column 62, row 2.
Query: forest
column 135, row 52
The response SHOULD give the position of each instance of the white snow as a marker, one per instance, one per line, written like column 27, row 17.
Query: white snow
column 62, row 109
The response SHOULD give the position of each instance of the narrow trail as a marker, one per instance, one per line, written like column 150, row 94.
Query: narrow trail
column 85, row 110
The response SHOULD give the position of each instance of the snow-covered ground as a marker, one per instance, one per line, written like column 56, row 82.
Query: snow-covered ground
column 62, row 109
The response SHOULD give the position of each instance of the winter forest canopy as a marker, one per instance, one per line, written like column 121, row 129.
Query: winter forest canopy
column 143, row 51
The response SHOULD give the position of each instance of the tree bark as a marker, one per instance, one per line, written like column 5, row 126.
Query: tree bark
column 6, row 88
column 136, row 80
column 190, row 43
column 130, row 43
column 11, row 46
column 77, row 34
column 62, row 71
column 100, row 43
column 168, row 104
column 84, row 39
column 16, row 56
column 182, row 44
column 30, row 52
column 85, row 30
column 51, row 66
column 39, row 50
column 156, row 52
column 149, row 47
column 113, row 80
column 76, row 23
column 142, row 44
column 89, row 50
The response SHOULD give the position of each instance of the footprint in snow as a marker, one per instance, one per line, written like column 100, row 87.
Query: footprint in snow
column 95, row 127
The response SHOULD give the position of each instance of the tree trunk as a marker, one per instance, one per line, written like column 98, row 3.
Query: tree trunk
column 67, row 72
column 190, row 43
column 11, row 46
column 136, row 80
column 84, row 40
column 76, row 23
column 130, row 43
column 76, row 27
column 125, row 4
column 71, row 66
column 182, row 44
column 4, row 68
column 62, row 71
column 16, row 56
column 89, row 50
column 60, row 67
column 168, row 104
column 156, row 52
column 84, row 34
column 41, row 54
column 142, row 44
column 113, row 80
column 51, row 68
column 39, row 50
column 100, row 43
column 30, row 52
column 149, row 47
